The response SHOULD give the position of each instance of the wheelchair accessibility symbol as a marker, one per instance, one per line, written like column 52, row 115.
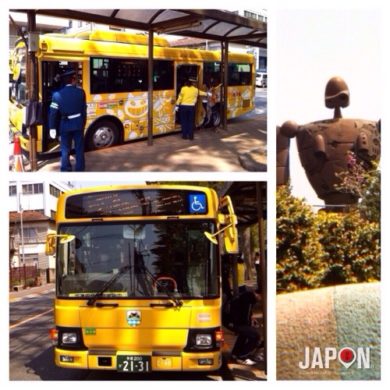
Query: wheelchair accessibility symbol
column 197, row 203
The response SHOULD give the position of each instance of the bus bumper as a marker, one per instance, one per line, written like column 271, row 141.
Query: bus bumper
column 100, row 360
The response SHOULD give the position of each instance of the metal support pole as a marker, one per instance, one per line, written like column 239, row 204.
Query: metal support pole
column 225, row 67
column 32, row 77
column 234, row 274
column 21, row 244
column 150, row 88
column 263, row 265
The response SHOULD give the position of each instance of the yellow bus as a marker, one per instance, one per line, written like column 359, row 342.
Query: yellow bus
column 138, row 277
column 112, row 69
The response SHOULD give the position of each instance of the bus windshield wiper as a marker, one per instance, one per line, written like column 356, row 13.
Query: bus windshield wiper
column 91, row 301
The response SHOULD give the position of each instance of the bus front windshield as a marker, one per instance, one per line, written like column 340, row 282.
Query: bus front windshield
column 144, row 260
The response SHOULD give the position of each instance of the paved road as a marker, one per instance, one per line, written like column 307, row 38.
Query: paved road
column 242, row 147
column 31, row 353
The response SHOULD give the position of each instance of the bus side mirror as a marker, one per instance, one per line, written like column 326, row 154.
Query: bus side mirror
column 51, row 240
column 212, row 236
column 230, row 234
column 230, row 238
column 50, row 248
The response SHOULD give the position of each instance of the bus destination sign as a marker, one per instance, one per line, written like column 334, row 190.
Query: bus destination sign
column 133, row 203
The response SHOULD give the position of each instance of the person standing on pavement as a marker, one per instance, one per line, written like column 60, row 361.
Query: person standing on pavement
column 186, row 103
column 245, row 326
column 67, row 117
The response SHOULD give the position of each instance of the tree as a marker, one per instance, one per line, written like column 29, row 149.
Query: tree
column 363, row 180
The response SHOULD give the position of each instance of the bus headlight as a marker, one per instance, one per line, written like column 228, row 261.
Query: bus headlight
column 69, row 338
column 203, row 340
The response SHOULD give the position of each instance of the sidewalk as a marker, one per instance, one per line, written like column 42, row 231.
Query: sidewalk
column 242, row 147
column 43, row 289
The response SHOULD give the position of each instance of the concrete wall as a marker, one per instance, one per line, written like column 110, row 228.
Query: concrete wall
column 335, row 317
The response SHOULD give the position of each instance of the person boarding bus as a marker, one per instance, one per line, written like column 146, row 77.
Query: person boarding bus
column 67, row 117
column 186, row 104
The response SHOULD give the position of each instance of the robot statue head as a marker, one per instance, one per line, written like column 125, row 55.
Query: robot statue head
column 325, row 146
column 336, row 95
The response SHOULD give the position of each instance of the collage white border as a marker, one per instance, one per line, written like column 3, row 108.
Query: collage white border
column 271, row 7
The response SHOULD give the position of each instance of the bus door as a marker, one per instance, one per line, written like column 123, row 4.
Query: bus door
column 51, row 82
column 183, row 73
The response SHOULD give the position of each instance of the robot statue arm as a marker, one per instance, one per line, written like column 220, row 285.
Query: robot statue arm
column 289, row 129
column 284, row 133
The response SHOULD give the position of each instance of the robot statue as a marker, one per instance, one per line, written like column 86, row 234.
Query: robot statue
column 324, row 146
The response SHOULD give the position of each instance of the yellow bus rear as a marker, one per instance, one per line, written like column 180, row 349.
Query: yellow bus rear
column 112, row 69
column 138, row 280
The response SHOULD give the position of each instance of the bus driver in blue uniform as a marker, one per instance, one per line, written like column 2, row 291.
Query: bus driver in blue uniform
column 68, row 113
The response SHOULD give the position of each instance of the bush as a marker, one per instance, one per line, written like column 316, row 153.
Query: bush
column 315, row 250
column 298, row 247
column 351, row 247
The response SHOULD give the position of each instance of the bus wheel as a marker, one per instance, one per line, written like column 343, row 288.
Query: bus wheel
column 206, row 121
column 102, row 135
column 216, row 118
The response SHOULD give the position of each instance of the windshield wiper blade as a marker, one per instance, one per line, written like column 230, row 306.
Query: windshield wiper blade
column 165, row 304
column 91, row 301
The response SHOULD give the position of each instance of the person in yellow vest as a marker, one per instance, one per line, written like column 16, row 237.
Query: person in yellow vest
column 185, row 103
column 241, row 273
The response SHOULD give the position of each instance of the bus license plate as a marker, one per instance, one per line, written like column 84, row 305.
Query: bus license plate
column 129, row 363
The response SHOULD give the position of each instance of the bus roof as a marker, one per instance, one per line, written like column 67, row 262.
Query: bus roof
column 116, row 187
column 113, row 36
column 120, row 44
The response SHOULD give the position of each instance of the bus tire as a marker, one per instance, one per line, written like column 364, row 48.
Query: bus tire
column 206, row 122
column 216, row 118
column 102, row 134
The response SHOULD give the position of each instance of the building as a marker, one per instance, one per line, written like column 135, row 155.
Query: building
column 32, row 210
column 45, row 24
column 259, row 53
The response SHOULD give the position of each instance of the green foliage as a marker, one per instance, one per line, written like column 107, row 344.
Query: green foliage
column 351, row 246
column 298, row 247
column 315, row 250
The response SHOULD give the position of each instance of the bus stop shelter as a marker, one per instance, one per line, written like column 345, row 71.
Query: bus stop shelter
column 250, row 206
column 216, row 25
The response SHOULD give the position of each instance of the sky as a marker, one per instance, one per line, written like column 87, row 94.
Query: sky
column 313, row 45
